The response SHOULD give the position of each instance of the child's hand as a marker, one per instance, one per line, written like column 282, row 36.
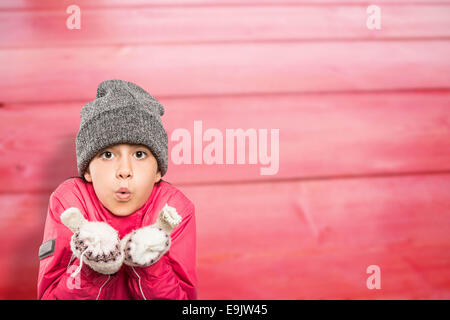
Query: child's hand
column 145, row 246
column 96, row 243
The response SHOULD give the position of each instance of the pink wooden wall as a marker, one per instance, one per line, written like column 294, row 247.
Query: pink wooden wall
column 364, row 119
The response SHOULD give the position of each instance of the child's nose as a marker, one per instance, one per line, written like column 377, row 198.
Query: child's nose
column 124, row 171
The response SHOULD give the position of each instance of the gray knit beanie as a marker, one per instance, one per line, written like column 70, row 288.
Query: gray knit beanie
column 122, row 112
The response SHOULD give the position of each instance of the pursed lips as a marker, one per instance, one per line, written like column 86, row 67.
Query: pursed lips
column 123, row 190
column 123, row 194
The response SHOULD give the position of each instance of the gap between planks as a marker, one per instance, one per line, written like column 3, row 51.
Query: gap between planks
column 380, row 175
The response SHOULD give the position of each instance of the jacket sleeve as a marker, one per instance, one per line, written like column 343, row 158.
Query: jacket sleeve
column 54, row 281
column 174, row 275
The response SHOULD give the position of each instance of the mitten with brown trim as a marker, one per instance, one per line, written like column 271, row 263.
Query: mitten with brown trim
column 145, row 246
column 95, row 243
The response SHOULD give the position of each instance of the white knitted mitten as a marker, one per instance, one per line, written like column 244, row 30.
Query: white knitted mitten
column 95, row 243
column 145, row 246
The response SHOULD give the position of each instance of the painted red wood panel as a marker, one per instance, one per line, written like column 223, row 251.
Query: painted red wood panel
column 315, row 240
column 62, row 74
column 290, row 240
column 320, row 136
column 219, row 24
column 364, row 123
column 51, row 4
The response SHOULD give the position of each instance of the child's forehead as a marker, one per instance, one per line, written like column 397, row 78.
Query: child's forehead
column 126, row 145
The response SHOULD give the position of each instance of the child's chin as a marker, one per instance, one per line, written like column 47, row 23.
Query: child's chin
column 122, row 209
column 122, row 213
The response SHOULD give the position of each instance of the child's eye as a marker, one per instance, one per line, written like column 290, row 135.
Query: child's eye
column 106, row 152
column 140, row 153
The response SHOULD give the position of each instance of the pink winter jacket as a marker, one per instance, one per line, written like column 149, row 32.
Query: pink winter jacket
column 172, row 277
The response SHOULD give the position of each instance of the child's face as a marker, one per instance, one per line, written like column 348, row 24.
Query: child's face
column 123, row 165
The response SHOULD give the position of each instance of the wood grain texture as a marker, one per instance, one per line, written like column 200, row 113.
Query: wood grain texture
column 364, row 119
column 120, row 26
column 320, row 136
column 64, row 74
column 50, row 4
column 314, row 240
column 291, row 240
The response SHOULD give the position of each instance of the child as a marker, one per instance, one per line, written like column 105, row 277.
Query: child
column 119, row 231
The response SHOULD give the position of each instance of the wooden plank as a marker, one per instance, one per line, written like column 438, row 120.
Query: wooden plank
column 51, row 4
column 219, row 24
column 322, row 235
column 19, row 263
column 33, row 75
column 320, row 136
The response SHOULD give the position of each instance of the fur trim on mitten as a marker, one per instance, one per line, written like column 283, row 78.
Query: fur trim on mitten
column 73, row 219
column 145, row 246
column 168, row 219
column 95, row 243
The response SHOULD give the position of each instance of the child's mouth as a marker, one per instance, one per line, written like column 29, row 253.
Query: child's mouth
column 122, row 196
